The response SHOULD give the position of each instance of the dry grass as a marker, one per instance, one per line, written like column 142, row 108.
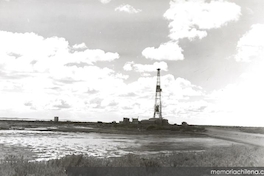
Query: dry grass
column 18, row 166
column 234, row 156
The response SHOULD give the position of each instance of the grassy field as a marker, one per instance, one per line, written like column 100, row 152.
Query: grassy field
column 234, row 156
column 250, row 155
column 99, row 127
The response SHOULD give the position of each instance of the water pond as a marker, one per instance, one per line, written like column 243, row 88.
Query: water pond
column 49, row 145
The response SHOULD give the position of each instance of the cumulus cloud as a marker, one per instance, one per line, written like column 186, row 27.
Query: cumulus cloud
column 251, row 45
column 30, row 45
column 166, row 51
column 129, row 66
column 31, row 52
column 189, row 109
column 190, row 19
column 127, row 8
column 240, row 103
column 28, row 104
column 51, row 82
column 105, row 1
column 79, row 46
column 60, row 104
column 35, row 68
column 174, row 90
column 180, row 88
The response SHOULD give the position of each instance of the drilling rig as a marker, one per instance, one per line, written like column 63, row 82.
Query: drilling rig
column 157, row 105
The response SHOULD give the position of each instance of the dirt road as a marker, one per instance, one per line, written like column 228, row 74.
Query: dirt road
column 237, row 136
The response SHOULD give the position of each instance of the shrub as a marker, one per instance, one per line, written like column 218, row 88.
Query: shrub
column 234, row 156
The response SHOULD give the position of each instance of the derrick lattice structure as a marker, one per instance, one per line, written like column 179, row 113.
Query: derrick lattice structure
column 157, row 106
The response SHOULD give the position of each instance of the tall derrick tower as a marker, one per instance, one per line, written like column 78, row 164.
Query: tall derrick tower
column 157, row 106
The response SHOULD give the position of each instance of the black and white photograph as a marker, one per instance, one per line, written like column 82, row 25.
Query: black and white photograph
column 131, row 87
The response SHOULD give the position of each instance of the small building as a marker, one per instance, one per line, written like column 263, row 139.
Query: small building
column 165, row 122
column 135, row 121
column 146, row 122
column 185, row 124
column 125, row 120
column 155, row 121
column 56, row 119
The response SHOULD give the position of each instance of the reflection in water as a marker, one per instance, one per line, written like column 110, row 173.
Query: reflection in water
column 48, row 145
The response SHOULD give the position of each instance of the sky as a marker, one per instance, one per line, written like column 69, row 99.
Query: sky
column 97, row 60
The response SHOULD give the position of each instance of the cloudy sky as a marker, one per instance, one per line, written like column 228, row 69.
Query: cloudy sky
column 96, row 60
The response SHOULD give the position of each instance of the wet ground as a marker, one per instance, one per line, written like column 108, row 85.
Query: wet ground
column 256, row 139
column 44, row 145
